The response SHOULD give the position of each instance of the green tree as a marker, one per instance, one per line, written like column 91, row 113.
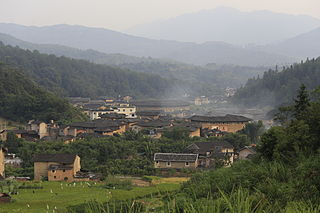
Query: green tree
column 302, row 102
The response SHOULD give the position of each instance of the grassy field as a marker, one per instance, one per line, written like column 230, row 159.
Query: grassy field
column 58, row 195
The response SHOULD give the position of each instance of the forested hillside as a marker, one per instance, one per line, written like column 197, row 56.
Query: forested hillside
column 70, row 77
column 209, row 76
column 278, row 87
column 21, row 100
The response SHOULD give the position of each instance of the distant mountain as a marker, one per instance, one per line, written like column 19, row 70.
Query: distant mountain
column 228, row 25
column 279, row 87
column 108, row 41
column 302, row 46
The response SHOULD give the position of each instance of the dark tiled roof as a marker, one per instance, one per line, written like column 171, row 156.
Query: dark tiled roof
column 23, row 131
column 113, row 116
column 250, row 148
column 215, row 119
column 156, row 123
column 149, row 113
column 96, row 124
column 204, row 147
column 181, row 157
column 59, row 158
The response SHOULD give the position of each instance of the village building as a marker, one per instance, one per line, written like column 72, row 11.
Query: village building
column 193, row 128
column 29, row 135
column 152, row 128
column 96, row 111
column 40, row 127
column 227, row 123
column 149, row 114
column 175, row 160
column 210, row 153
column 57, row 167
column 202, row 100
column 246, row 152
column 103, row 127
column 167, row 106
column 3, row 152
column 213, row 133
column 12, row 160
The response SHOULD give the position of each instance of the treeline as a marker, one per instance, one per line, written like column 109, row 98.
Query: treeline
column 70, row 77
column 275, row 87
column 21, row 100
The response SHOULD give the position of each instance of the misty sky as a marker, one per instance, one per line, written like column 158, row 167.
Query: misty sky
column 123, row 14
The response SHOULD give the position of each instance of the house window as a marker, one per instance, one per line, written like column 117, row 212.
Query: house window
column 64, row 170
column 168, row 163
column 123, row 110
column 157, row 162
column 53, row 171
column 54, row 177
column 130, row 110
column 66, row 178
column 187, row 164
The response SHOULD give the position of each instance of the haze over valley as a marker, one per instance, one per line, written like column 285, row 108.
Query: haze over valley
column 160, row 106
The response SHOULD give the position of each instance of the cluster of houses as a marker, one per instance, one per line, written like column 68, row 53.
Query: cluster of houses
column 203, row 155
column 109, row 117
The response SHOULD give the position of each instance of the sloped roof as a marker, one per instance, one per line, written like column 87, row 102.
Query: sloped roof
column 59, row 158
column 179, row 157
column 249, row 148
column 96, row 124
column 149, row 113
column 204, row 147
column 155, row 123
column 218, row 119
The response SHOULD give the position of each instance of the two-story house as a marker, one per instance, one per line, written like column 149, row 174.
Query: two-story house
column 56, row 167
column 212, row 152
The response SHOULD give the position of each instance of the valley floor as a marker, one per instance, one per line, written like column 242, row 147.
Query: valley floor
column 58, row 196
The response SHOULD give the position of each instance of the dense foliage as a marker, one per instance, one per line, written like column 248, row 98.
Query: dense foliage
column 285, row 174
column 70, row 77
column 129, row 154
column 21, row 99
column 279, row 87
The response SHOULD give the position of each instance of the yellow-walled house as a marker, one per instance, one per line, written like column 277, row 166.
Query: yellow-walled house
column 175, row 161
column 56, row 167
column 3, row 152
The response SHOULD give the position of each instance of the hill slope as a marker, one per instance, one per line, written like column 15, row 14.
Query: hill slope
column 209, row 76
column 304, row 45
column 22, row 100
column 108, row 41
column 228, row 25
column 70, row 77
column 276, row 88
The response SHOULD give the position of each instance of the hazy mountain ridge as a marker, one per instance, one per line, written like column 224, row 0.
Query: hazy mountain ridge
column 301, row 46
column 228, row 25
column 220, row 76
column 108, row 41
